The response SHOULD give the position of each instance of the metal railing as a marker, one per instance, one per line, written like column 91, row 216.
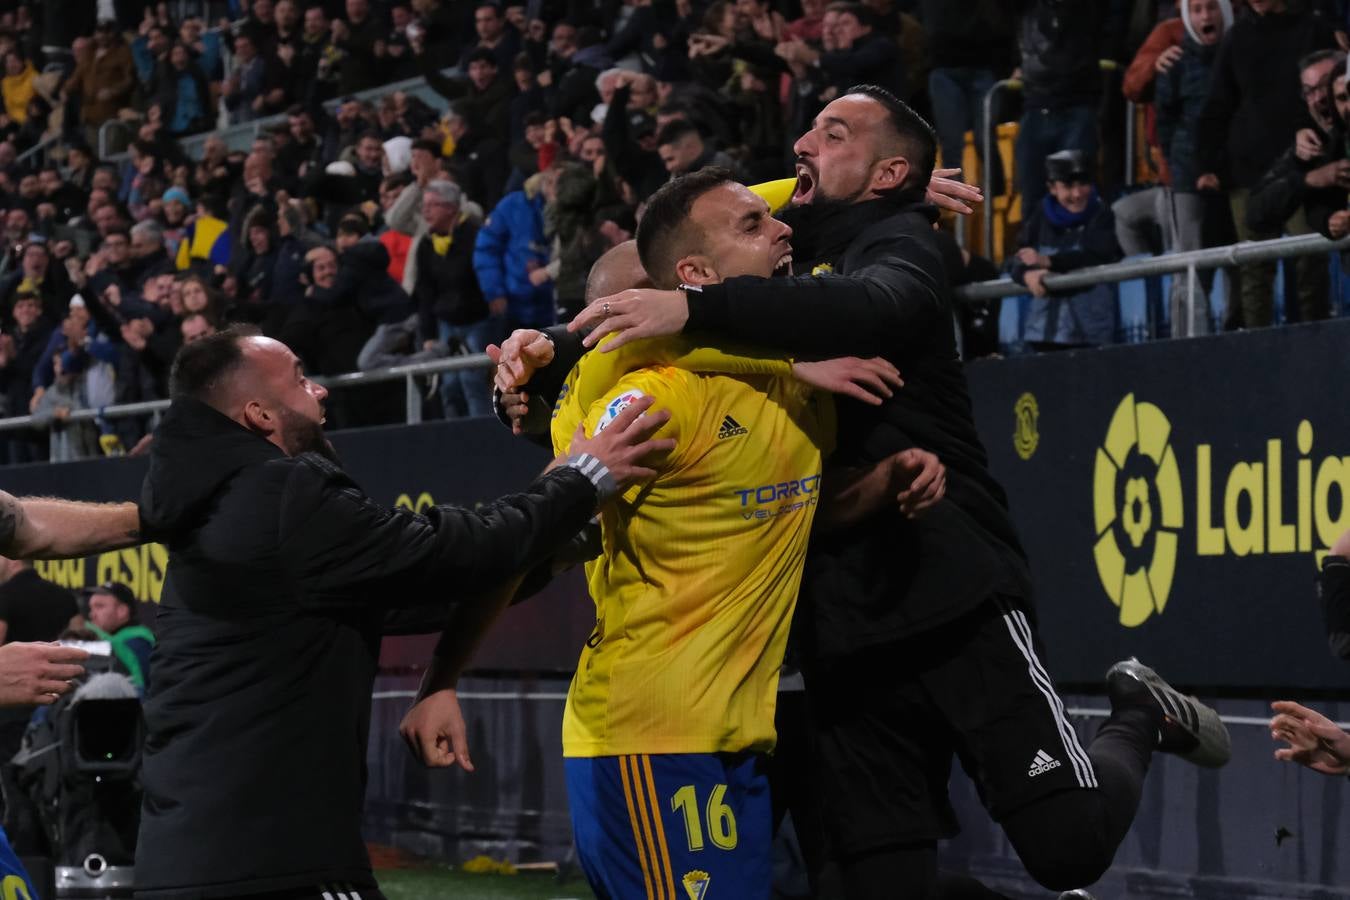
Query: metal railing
column 1191, row 263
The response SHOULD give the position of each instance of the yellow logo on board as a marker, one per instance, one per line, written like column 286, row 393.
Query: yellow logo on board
column 1025, row 436
column 1137, row 511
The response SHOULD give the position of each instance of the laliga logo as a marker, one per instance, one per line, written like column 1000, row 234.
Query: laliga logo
column 1137, row 511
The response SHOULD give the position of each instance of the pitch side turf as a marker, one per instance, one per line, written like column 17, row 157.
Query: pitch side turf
column 441, row 883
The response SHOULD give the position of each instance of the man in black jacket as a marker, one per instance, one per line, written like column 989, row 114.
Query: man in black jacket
column 1307, row 183
column 283, row 576
column 908, row 624
column 450, row 306
column 1252, row 114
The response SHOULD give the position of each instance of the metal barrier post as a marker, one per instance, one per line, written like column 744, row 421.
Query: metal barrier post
column 988, row 164
column 413, row 398
column 1129, row 142
column 1190, row 304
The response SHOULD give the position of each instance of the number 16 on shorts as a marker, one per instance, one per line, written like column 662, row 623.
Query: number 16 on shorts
column 684, row 826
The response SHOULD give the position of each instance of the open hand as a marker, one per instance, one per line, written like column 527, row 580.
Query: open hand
column 626, row 441
column 632, row 315
column 1314, row 740
column 946, row 192
column 870, row 380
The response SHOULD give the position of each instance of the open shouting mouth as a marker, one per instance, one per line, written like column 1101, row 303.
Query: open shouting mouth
column 806, row 184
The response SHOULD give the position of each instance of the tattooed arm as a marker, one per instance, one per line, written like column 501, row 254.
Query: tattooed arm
column 48, row 528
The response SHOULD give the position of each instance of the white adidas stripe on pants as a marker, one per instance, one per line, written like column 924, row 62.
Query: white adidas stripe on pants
column 1020, row 631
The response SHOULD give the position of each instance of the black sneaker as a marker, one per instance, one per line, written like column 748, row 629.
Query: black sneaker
column 1190, row 729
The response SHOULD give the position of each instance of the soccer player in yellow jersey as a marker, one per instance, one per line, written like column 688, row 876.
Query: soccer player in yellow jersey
column 671, row 710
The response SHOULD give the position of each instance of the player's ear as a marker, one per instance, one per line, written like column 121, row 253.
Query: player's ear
column 696, row 269
column 888, row 174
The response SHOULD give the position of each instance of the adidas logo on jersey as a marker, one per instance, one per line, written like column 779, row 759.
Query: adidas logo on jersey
column 731, row 428
column 1043, row 763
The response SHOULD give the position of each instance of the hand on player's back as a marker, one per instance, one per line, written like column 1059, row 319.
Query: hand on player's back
column 871, row 381
column 626, row 442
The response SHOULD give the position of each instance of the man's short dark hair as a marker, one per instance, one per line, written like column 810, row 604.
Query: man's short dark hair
column 429, row 146
column 119, row 231
column 201, row 368
column 675, row 131
column 480, row 54
column 1321, row 56
column 371, row 134
column 353, row 223
column 534, row 118
column 856, row 10
column 665, row 235
column 913, row 137
column 215, row 205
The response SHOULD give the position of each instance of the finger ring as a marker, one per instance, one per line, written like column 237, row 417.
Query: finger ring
column 604, row 308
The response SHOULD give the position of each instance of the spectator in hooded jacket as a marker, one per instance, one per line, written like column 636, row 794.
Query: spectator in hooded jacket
column 1181, row 93
column 1252, row 114
column 510, row 245
column 1071, row 229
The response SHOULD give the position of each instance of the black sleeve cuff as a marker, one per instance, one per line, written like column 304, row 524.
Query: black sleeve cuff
column 707, row 309
column 1334, row 592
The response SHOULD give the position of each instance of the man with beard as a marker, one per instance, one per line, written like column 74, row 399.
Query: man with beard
column 283, row 576
column 933, row 653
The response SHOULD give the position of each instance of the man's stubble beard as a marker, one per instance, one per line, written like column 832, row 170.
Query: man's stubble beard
column 303, row 435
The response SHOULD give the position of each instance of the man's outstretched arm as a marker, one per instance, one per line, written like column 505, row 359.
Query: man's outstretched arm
column 49, row 528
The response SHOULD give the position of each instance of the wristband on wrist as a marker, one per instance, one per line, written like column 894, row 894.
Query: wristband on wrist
column 596, row 473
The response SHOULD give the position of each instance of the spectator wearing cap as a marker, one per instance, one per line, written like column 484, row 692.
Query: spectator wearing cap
column 1070, row 229
column 450, row 306
column 1061, row 45
column 104, row 80
column 207, row 241
column 112, row 617
column 181, row 92
column 1255, row 107
column 510, row 245
column 21, row 348
column 174, row 208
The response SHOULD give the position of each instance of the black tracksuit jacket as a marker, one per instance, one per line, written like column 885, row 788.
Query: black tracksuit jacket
column 282, row 578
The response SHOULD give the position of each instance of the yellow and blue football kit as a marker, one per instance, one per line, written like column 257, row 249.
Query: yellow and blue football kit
column 674, row 696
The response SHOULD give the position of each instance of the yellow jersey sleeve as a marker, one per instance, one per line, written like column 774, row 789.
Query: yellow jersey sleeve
column 674, row 390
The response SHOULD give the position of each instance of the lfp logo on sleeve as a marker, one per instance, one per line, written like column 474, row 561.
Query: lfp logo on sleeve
column 616, row 406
